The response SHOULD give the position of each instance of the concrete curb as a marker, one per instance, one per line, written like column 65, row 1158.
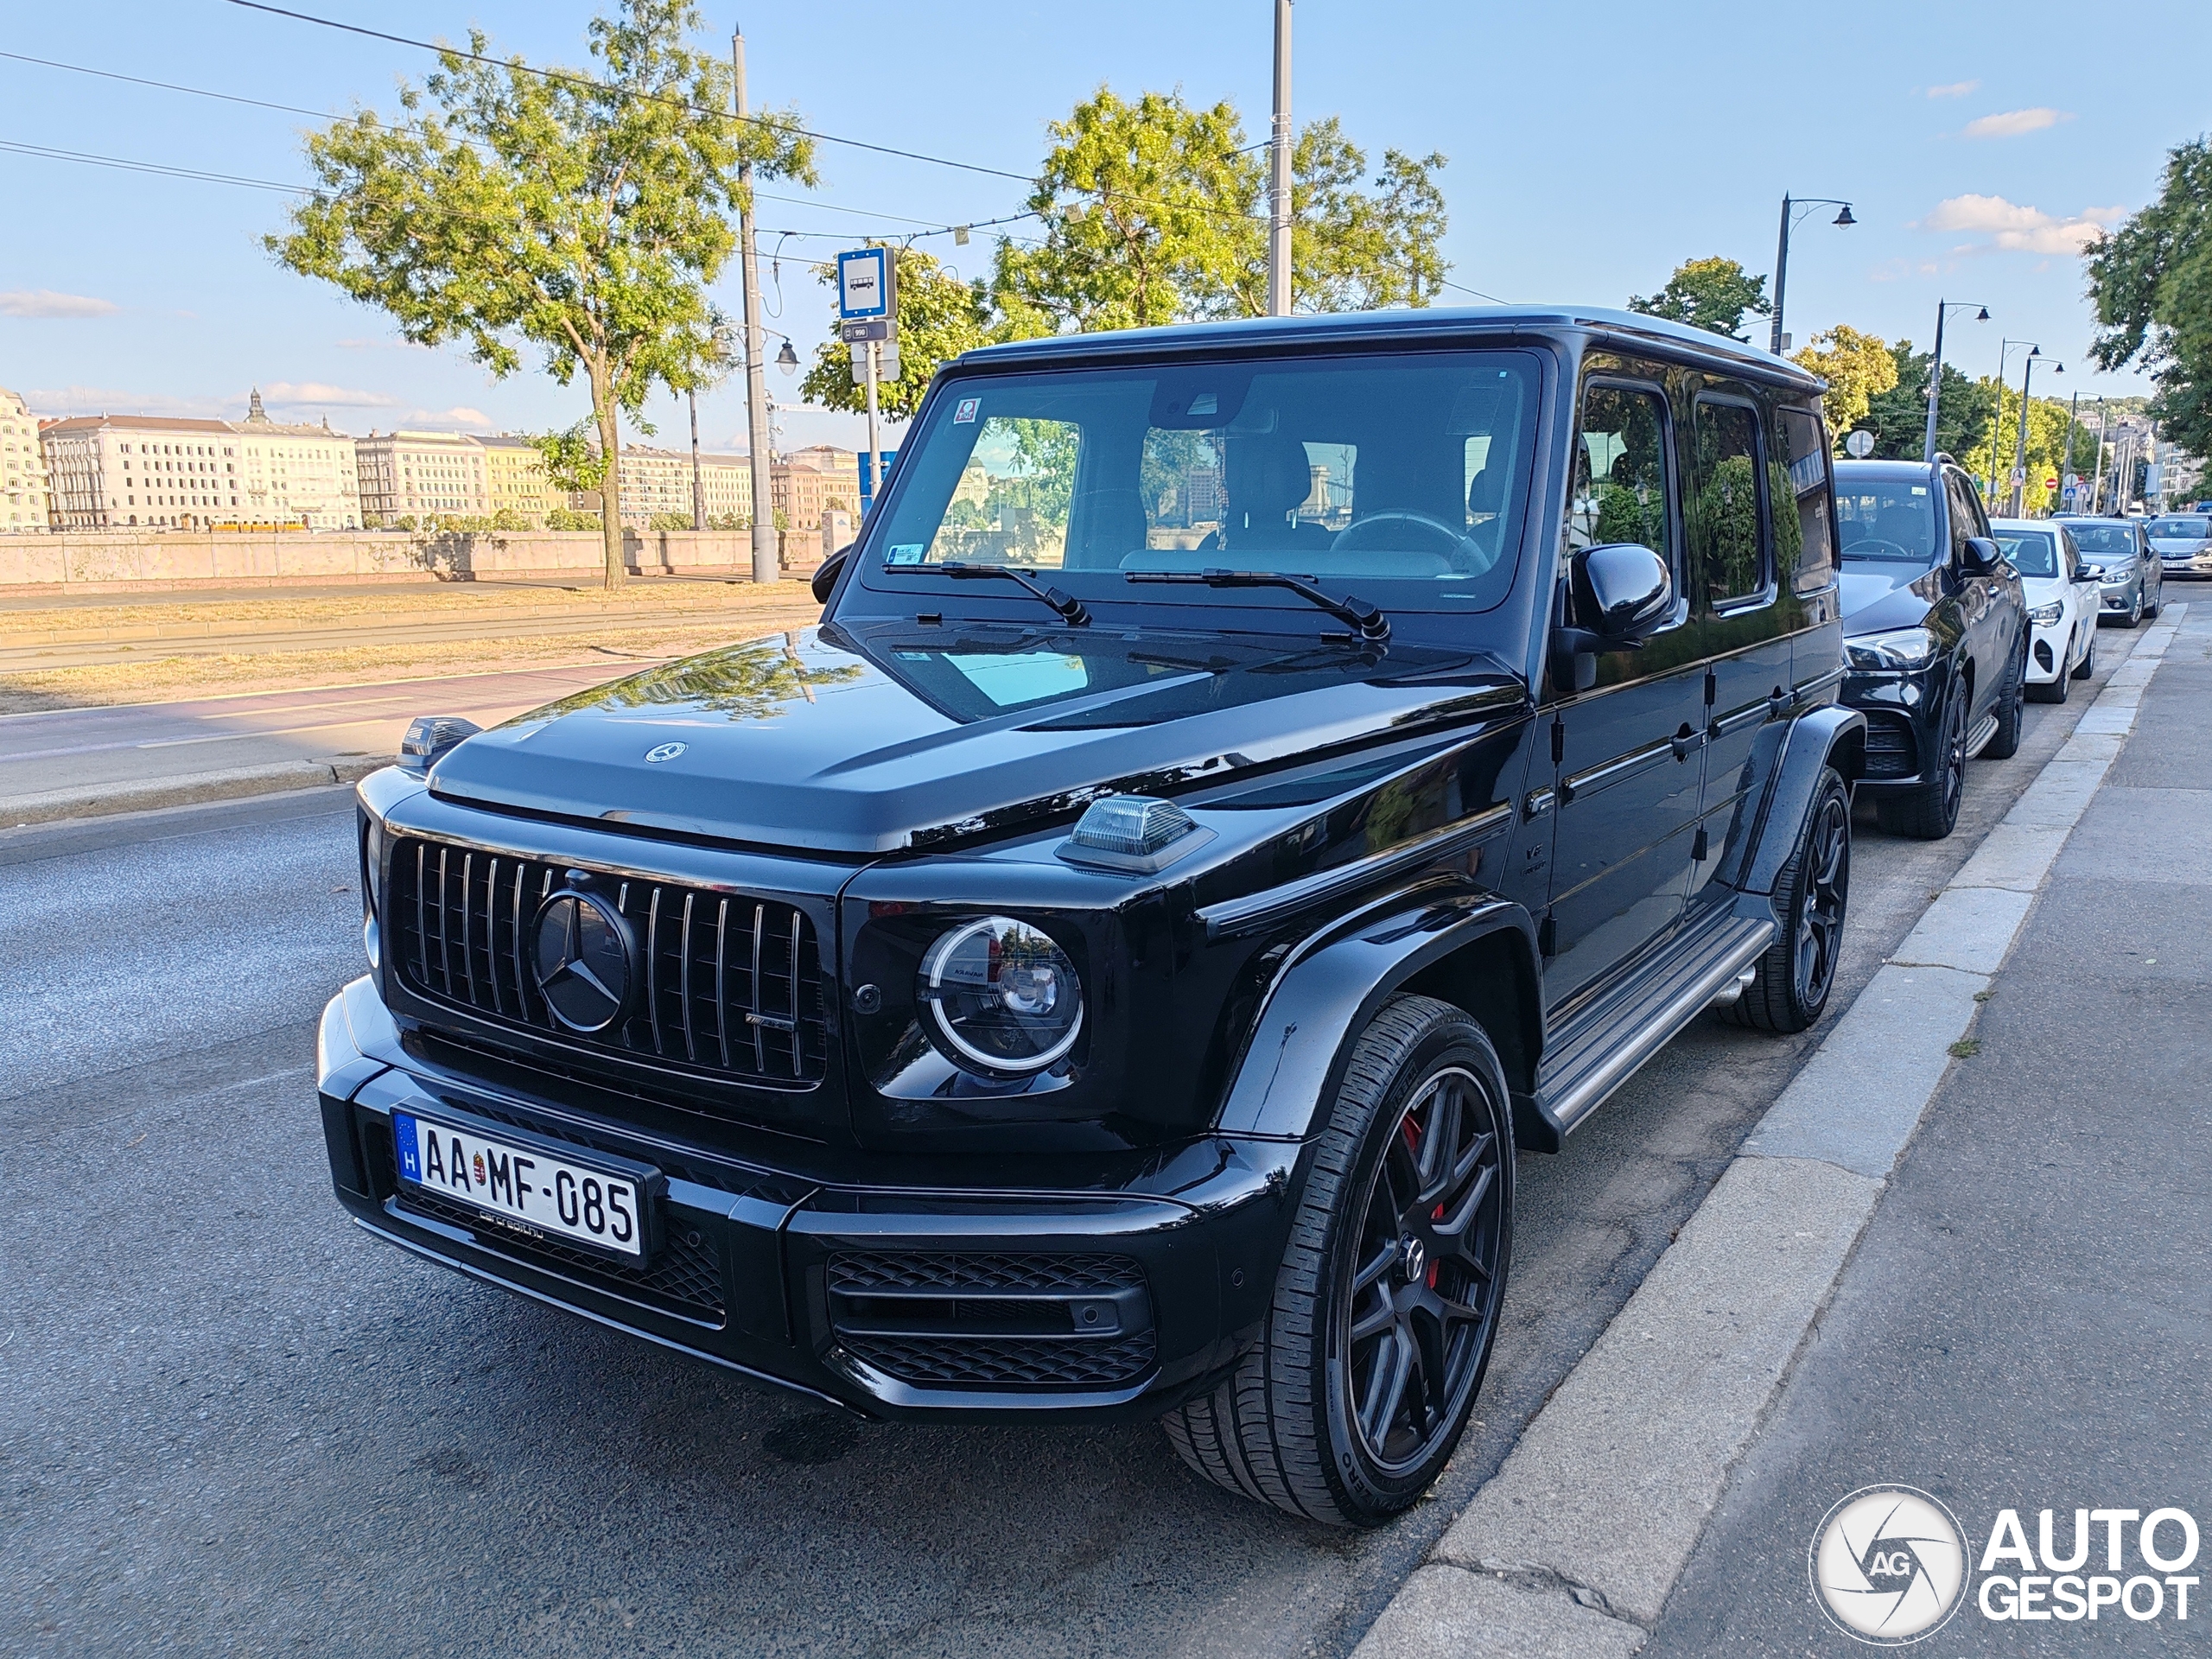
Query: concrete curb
column 270, row 779
column 1575, row 1544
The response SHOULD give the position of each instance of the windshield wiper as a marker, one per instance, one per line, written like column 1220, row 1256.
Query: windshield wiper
column 1363, row 619
column 1071, row 608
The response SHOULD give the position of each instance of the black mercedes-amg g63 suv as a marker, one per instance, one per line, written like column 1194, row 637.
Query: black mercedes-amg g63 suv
column 1248, row 782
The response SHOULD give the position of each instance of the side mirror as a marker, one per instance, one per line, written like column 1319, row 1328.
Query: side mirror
column 2093, row 573
column 1623, row 591
column 827, row 572
column 1982, row 557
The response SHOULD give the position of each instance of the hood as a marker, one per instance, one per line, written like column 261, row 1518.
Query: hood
column 1878, row 594
column 912, row 736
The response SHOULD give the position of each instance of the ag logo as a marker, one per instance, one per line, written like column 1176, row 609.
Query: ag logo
column 1889, row 1566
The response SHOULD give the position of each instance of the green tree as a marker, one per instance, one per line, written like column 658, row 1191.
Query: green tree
column 580, row 214
column 2151, row 283
column 1151, row 213
column 939, row 317
column 1714, row 294
column 1899, row 416
column 1856, row 366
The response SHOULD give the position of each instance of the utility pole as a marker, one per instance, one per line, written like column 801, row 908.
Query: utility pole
column 2066, row 453
column 767, row 560
column 698, row 488
column 2019, row 498
column 1279, row 174
column 875, row 444
column 2097, row 483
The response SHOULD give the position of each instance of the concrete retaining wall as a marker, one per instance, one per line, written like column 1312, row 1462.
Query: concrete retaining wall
column 143, row 560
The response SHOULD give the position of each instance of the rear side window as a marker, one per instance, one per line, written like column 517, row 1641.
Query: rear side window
column 1727, row 505
column 1967, row 517
column 1804, row 542
column 1621, row 490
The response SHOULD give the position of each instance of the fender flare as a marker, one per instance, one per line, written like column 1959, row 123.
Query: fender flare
column 1815, row 740
column 1302, row 1037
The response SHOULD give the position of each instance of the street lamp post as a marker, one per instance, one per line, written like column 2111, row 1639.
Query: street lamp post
column 1997, row 410
column 2020, row 496
column 1943, row 308
column 1794, row 208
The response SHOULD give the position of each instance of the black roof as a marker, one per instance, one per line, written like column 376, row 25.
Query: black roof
column 1439, row 322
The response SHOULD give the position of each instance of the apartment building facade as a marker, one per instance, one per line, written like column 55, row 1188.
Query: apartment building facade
column 416, row 475
column 515, row 482
column 657, row 480
column 124, row 471
column 294, row 474
column 25, row 504
column 810, row 480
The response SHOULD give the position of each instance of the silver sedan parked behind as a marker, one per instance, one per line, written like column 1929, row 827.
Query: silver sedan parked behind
column 2183, row 541
column 2133, row 583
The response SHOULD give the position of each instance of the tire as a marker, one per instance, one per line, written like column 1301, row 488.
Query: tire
column 2006, row 742
column 2087, row 665
column 1791, row 984
column 1291, row 1425
column 2135, row 611
column 1930, row 812
column 2156, row 603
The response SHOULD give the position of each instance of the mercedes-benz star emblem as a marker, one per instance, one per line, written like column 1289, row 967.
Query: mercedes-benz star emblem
column 582, row 960
column 664, row 752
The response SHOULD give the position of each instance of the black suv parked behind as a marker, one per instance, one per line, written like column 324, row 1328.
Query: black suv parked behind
column 1248, row 781
column 1936, row 637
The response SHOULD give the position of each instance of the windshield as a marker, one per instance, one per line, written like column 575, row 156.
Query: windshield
column 2183, row 528
column 2031, row 552
column 1882, row 519
column 2104, row 538
column 1401, row 478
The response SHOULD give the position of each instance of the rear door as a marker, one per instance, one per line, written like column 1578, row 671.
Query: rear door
column 1625, row 742
column 1735, row 479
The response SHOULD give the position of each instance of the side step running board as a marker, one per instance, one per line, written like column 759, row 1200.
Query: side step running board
column 1978, row 738
column 1604, row 1048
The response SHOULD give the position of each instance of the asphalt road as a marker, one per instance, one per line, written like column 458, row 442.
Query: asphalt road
column 231, row 1422
column 70, row 748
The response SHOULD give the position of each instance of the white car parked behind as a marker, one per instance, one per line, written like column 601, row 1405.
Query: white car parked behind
column 2062, row 590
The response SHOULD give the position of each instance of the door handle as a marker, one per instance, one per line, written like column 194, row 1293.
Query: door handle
column 1686, row 742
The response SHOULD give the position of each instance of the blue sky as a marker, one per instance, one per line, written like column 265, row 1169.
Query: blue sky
column 1591, row 148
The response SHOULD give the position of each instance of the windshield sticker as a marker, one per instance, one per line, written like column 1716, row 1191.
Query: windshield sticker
column 905, row 553
column 963, row 412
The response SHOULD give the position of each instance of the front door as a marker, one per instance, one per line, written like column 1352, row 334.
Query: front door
column 1626, row 745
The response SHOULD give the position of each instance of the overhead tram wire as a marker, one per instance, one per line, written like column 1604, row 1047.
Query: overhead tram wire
column 938, row 227
column 588, row 83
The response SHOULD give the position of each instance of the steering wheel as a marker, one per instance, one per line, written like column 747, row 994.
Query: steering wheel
column 1460, row 551
column 1895, row 551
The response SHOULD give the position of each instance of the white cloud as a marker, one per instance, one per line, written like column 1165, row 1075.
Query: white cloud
column 45, row 303
column 460, row 416
column 2012, row 124
column 314, row 392
column 1956, row 89
column 2010, row 228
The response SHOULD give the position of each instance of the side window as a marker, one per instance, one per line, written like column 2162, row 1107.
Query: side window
column 1967, row 519
column 1728, row 504
column 1621, row 490
column 1804, row 543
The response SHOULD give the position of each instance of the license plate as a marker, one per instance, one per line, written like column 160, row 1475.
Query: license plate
column 524, row 1187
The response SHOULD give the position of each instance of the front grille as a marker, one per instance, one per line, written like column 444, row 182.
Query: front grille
column 685, row 1276
column 987, row 1320
column 731, row 985
column 1006, row 1361
column 859, row 1272
column 1891, row 751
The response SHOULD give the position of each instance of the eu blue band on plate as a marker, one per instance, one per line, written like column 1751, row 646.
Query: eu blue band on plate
column 410, row 1156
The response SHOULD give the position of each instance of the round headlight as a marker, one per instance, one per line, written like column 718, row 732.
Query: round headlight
column 998, row 994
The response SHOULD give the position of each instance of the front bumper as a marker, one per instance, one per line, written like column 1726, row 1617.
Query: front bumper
column 2118, row 598
column 1901, row 706
column 2047, row 643
column 1015, row 1303
column 2188, row 566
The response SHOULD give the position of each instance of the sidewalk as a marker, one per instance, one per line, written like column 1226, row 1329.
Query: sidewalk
column 2027, row 1319
column 1577, row 1546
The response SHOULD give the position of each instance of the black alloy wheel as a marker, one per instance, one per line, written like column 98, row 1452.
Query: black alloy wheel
column 1383, row 1312
column 1417, row 1308
column 1929, row 812
column 1791, row 981
column 2087, row 665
